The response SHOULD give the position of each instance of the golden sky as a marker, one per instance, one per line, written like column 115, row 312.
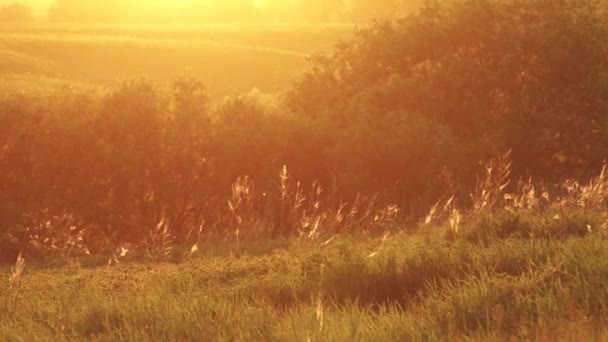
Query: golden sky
column 39, row 6
column 211, row 10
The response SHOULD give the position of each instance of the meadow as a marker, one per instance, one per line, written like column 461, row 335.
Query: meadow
column 516, row 266
column 423, row 286
column 440, row 176
column 229, row 58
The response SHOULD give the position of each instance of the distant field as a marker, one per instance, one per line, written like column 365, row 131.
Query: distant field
column 228, row 58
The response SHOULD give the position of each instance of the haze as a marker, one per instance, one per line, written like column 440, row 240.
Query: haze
column 159, row 11
column 304, row 170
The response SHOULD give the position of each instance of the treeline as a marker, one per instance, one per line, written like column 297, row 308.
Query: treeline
column 16, row 12
column 406, row 108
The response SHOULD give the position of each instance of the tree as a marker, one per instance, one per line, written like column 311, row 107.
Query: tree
column 16, row 13
column 488, row 75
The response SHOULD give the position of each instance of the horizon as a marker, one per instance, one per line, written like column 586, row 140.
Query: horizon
column 212, row 11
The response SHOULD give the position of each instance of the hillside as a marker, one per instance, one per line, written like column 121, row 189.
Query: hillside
column 229, row 58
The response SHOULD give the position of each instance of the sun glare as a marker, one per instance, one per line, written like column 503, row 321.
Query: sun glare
column 180, row 3
column 215, row 4
column 191, row 11
column 257, row 3
column 166, row 3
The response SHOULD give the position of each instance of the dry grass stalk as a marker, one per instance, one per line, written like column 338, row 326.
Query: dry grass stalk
column 527, row 198
column 489, row 194
column 380, row 246
column 241, row 206
column 439, row 212
column 488, row 191
column 121, row 252
column 49, row 234
column 593, row 195
column 320, row 307
column 159, row 245
column 10, row 300
column 455, row 219
column 241, row 200
column 293, row 210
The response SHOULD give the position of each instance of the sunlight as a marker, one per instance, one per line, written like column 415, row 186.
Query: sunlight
column 176, row 11
column 257, row 3
column 180, row 3
column 166, row 3
column 373, row 170
column 213, row 4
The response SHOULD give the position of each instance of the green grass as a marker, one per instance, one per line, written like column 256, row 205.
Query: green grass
column 428, row 285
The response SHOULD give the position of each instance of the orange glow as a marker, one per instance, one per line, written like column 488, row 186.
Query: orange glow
column 257, row 3
column 156, row 11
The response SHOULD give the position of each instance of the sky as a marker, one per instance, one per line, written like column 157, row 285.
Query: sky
column 209, row 10
column 39, row 6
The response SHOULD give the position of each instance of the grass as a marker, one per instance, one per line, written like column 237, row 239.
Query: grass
column 516, row 266
column 526, row 265
column 425, row 285
column 229, row 59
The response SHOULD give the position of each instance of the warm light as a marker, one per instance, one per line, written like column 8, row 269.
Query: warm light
column 214, row 11
column 180, row 3
column 257, row 3
column 163, row 3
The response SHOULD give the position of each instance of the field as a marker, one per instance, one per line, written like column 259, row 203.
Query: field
column 442, row 176
column 421, row 286
column 228, row 58
column 516, row 266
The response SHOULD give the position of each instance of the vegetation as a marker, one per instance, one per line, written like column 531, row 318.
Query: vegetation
column 523, row 265
column 500, row 275
column 15, row 13
column 419, row 115
column 229, row 58
column 351, row 205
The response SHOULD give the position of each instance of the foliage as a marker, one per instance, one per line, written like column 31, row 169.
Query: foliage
column 371, row 134
column 465, row 80
column 300, row 216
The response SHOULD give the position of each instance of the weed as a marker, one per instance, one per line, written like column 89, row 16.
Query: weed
column 11, row 298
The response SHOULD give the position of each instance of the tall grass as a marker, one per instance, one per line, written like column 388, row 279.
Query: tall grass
column 11, row 294
column 520, row 262
column 417, row 286
column 499, row 208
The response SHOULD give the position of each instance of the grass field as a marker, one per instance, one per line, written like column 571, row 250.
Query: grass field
column 150, row 211
column 419, row 286
column 228, row 58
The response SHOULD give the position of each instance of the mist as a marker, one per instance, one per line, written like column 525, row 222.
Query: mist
column 197, row 11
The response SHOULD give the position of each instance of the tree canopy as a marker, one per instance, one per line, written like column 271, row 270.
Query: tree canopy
column 467, row 79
